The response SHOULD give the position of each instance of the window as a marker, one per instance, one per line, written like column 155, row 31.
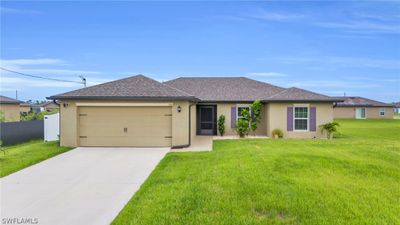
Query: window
column 300, row 118
column 240, row 109
column 382, row 111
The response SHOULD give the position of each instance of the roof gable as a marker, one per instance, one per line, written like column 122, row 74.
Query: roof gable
column 135, row 87
column 298, row 94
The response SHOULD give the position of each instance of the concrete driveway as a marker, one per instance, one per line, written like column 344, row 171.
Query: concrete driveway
column 83, row 186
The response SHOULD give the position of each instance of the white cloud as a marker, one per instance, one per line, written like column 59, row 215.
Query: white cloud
column 19, row 83
column 343, row 61
column 276, row 16
column 29, row 62
column 267, row 74
column 362, row 26
column 332, row 84
column 18, row 11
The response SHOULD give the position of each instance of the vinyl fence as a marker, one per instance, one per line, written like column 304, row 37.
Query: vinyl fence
column 17, row 132
column 51, row 127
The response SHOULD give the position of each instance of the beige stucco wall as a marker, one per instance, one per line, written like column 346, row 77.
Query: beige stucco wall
column 69, row 121
column 371, row 112
column 25, row 109
column 11, row 112
column 277, row 118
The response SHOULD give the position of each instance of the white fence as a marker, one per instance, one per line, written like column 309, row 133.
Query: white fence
column 51, row 127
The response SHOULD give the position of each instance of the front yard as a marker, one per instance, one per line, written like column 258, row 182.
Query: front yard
column 354, row 179
column 17, row 157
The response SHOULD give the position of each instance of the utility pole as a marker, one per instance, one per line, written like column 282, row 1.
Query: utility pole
column 83, row 80
column 16, row 94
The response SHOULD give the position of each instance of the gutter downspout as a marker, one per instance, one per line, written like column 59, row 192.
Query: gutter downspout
column 190, row 129
column 59, row 121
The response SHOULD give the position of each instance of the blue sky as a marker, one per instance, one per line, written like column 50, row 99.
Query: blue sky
column 330, row 48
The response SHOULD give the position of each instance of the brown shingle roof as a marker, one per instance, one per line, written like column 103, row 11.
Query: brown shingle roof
column 225, row 88
column 297, row 94
column 242, row 89
column 135, row 87
column 215, row 89
column 7, row 100
column 356, row 101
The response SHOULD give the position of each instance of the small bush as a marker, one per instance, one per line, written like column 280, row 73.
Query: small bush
column 221, row 124
column 277, row 132
column 330, row 129
column 242, row 127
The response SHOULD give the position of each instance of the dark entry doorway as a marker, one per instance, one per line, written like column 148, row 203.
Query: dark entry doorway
column 206, row 119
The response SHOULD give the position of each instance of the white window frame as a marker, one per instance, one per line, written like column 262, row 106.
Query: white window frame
column 241, row 106
column 308, row 117
column 381, row 110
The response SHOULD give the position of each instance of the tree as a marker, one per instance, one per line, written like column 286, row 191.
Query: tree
column 221, row 125
column 255, row 119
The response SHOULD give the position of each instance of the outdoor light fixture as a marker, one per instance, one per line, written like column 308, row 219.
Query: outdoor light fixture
column 179, row 108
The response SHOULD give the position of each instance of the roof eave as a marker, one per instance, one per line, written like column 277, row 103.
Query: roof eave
column 189, row 98
column 302, row 100
column 10, row 103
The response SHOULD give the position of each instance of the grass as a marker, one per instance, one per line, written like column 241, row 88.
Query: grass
column 354, row 179
column 20, row 156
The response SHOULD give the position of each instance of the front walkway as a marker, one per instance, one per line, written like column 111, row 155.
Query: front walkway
column 82, row 186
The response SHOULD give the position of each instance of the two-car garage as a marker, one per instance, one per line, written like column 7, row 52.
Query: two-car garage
column 139, row 126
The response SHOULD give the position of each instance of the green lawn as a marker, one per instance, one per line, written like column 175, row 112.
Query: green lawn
column 354, row 179
column 20, row 156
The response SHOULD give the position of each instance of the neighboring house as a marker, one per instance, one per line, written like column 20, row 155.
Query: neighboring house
column 24, row 108
column 139, row 111
column 396, row 108
column 10, row 108
column 47, row 106
column 362, row 108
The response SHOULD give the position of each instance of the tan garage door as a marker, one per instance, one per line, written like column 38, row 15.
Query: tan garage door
column 125, row 126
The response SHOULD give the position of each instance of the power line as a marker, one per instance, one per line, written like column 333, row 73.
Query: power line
column 45, row 78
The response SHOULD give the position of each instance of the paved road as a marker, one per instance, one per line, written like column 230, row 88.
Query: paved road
column 83, row 186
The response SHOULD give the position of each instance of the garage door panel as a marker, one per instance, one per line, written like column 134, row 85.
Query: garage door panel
column 125, row 141
column 125, row 126
column 113, row 131
column 144, row 120
column 126, row 111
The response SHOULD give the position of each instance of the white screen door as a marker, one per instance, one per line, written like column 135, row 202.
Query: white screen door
column 360, row 113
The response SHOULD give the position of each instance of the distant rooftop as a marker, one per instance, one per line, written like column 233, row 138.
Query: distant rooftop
column 7, row 100
column 356, row 101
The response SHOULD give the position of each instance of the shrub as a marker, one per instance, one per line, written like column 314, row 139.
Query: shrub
column 277, row 132
column 36, row 116
column 242, row 127
column 256, row 108
column 221, row 124
column 330, row 129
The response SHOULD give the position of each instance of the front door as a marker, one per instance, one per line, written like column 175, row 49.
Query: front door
column 206, row 120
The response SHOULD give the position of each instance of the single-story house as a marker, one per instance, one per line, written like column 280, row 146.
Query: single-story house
column 140, row 111
column 24, row 108
column 396, row 108
column 362, row 108
column 46, row 106
column 10, row 108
